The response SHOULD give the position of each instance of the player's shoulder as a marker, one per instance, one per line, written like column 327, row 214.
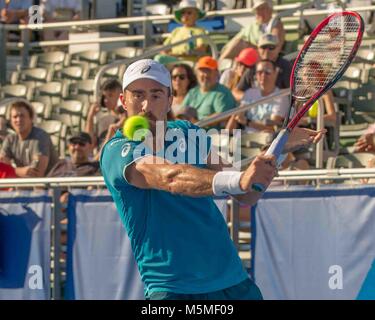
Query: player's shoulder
column 117, row 145
column 182, row 125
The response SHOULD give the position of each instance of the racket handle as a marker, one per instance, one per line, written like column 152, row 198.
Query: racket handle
column 275, row 149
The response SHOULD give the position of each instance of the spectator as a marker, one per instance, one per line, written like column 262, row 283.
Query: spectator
column 59, row 11
column 247, row 58
column 183, row 79
column 3, row 130
column 80, row 148
column 265, row 116
column 15, row 11
column 99, row 120
column 251, row 34
column 267, row 49
column 366, row 143
column 188, row 13
column 30, row 148
column 209, row 97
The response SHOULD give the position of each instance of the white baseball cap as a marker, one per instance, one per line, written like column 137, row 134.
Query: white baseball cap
column 147, row 69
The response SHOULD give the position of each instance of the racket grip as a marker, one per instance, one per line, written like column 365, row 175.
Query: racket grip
column 275, row 149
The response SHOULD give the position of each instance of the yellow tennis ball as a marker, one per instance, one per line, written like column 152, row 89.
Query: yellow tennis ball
column 136, row 128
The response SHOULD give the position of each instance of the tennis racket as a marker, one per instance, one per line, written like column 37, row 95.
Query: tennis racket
column 322, row 61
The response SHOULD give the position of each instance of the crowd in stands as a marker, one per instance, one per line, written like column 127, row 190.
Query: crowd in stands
column 201, row 89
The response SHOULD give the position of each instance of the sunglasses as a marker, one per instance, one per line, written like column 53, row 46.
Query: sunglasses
column 268, row 47
column 179, row 76
column 80, row 143
column 266, row 71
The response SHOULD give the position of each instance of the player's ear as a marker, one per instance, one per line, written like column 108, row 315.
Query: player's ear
column 122, row 99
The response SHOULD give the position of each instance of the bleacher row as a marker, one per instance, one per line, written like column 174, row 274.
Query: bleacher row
column 60, row 87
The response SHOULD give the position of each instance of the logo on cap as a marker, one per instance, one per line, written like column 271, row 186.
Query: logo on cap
column 145, row 69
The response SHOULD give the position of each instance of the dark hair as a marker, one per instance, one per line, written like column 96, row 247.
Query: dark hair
column 190, row 74
column 270, row 61
column 111, row 84
column 23, row 104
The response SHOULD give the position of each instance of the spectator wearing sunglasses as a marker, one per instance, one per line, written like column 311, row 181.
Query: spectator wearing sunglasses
column 267, row 50
column 79, row 164
column 187, row 14
column 265, row 116
column 183, row 79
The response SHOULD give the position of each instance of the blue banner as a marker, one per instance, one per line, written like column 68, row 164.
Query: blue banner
column 100, row 261
column 313, row 243
column 25, row 228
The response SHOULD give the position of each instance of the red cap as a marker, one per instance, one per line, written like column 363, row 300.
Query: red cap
column 207, row 62
column 248, row 57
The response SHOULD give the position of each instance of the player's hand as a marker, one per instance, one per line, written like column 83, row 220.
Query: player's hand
column 302, row 137
column 260, row 171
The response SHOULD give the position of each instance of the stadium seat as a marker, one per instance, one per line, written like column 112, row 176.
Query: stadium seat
column 56, row 59
column 42, row 110
column 16, row 91
column 57, row 130
column 93, row 57
column 33, row 76
column 75, row 72
column 351, row 160
column 125, row 53
column 54, row 90
column 70, row 112
column 82, row 88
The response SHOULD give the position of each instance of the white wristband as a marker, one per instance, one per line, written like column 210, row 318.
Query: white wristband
column 227, row 182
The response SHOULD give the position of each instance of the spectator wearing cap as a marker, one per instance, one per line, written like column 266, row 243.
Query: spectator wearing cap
column 245, row 60
column 79, row 164
column 265, row 116
column 251, row 34
column 15, row 11
column 267, row 50
column 183, row 79
column 209, row 97
column 187, row 14
column 29, row 149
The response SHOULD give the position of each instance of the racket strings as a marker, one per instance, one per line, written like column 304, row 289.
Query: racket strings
column 326, row 56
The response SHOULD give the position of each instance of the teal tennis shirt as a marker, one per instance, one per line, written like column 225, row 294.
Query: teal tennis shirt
column 181, row 244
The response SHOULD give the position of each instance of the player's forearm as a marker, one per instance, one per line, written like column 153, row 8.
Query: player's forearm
column 179, row 179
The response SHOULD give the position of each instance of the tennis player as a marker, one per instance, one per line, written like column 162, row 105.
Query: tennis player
column 179, row 237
